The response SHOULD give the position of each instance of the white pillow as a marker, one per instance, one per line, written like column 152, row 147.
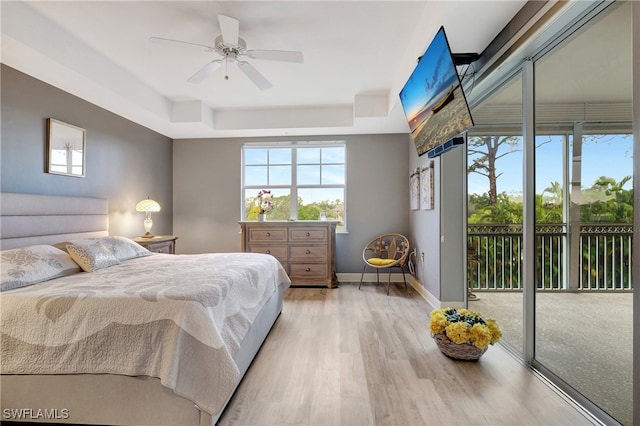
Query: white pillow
column 30, row 265
column 91, row 254
column 123, row 248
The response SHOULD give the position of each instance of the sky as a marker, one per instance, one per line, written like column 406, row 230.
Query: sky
column 434, row 72
column 610, row 156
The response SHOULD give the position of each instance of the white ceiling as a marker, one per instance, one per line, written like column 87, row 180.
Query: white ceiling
column 357, row 56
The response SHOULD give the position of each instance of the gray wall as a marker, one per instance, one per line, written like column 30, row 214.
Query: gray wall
column 125, row 162
column 452, row 226
column 439, row 233
column 425, row 230
column 207, row 191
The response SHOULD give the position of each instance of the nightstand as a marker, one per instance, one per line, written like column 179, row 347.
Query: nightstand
column 158, row 243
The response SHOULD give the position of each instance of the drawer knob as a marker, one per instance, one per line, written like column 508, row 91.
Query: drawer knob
column 307, row 252
column 268, row 252
column 308, row 234
column 308, row 270
column 268, row 234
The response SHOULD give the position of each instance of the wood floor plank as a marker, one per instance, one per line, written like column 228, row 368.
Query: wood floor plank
column 359, row 357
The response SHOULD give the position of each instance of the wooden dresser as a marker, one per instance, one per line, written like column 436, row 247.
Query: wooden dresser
column 306, row 249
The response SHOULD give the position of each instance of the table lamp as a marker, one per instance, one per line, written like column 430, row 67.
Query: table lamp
column 148, row 205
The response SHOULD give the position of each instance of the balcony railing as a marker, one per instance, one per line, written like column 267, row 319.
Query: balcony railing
column 604, row 257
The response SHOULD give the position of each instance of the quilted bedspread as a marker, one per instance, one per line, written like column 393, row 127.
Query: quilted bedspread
column 180, row 318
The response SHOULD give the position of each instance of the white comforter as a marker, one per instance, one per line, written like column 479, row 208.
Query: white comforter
column 177, row 317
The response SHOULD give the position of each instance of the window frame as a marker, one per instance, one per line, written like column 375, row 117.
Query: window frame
column 294, row 187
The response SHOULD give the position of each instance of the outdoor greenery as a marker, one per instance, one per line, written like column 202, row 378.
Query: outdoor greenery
column 606, row 201
column 280, row 208
column 498, row 249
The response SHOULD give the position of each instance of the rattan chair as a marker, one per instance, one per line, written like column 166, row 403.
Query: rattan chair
column 386, row 251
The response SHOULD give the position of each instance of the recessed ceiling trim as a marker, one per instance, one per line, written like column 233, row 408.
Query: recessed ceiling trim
column 276, row 118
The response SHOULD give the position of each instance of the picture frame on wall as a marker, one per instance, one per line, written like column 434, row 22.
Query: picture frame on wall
column 66, row 149
column 427, row 196
column 414, row 189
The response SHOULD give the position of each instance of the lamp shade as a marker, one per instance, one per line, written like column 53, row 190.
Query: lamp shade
column 148, row 205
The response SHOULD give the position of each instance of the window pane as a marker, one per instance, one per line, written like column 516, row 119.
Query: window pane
column 280, row 156
column 333, row 155
column 333, row 174
column 255, row 175
column 314, row 201
column 308, row 155
column 308, row 175
column 280, row 175
column 549, row 169
column 280, row 204
column 255, row 156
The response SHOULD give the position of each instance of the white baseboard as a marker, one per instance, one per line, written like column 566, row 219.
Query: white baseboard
column 426, row 295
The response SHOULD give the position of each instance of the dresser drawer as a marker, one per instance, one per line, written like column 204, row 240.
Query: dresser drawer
column 318, row 253
column 277, row 251
column 318, row 235
column 305, row 249
column 309, row 271
column 263, row 235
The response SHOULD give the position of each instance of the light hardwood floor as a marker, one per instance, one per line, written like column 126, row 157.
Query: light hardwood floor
column 349, row 357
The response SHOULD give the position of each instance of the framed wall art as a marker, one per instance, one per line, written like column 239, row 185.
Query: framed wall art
column 66, row 149
column 426, row 187
column 414, row 188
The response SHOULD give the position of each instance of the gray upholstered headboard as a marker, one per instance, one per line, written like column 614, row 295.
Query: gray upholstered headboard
column 28, row 219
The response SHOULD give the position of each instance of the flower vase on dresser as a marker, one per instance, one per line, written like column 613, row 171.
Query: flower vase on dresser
column 265, row 204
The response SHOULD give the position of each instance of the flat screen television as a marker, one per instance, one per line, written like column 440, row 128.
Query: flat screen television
column 433, row 100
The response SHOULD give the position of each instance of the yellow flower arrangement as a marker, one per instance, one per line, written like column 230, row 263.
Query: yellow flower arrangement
column 464, row 326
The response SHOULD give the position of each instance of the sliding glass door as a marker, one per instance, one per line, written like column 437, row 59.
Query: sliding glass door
column 584, row 212
column 494, row 205
column 571, row 315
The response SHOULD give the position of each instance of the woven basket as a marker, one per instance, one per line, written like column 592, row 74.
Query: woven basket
column 463, row 351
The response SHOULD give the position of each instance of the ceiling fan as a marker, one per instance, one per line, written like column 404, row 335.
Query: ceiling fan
column 232, row 48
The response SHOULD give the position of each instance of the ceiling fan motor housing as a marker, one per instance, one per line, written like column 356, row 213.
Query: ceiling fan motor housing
column 230, row 51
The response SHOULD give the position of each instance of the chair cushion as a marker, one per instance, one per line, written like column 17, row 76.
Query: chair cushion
column 380, row 262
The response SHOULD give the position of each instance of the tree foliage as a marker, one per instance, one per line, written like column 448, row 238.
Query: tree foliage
column 281, row 209
column 609, row 202
column 485, row 152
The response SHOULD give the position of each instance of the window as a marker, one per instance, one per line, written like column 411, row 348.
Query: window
column 306, row 180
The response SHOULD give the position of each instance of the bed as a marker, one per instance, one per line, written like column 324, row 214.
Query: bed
column 121, row 335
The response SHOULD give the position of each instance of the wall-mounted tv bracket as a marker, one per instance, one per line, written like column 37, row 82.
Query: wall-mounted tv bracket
column 461, row 58
column 464, row 58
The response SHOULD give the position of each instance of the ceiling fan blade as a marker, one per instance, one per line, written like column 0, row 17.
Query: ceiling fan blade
column 230, row 29
column 205, row 72
column 255, row 76
column 160, row 40
column 277, row 55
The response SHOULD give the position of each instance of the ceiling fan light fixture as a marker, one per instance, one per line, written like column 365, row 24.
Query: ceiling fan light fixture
column 231, row 48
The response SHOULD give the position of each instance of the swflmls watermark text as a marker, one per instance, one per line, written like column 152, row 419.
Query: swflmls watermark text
column 35, row 413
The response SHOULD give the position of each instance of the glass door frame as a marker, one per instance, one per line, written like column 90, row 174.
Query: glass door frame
column 554, row 30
